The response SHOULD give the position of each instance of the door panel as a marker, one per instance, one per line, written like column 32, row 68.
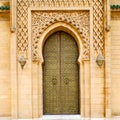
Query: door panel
column 69, row 74
column 51, row 75
column 60, row 75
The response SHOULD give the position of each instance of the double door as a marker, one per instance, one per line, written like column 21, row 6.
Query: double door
column 60, row 75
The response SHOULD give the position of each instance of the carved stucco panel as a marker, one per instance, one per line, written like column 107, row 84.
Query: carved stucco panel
column 57, row 3
column 98, row 26
column 22, row 20
column 22, row 26
column 79, row 20
column 22, row 17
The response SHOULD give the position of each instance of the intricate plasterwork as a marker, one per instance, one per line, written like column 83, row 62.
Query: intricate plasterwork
column 79, row 20
column 22, row 17
column 98, row 26
column 22, row 20
column 57, row 3
column 22, row 26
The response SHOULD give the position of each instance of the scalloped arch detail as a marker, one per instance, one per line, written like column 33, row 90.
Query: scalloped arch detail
column 78, row 20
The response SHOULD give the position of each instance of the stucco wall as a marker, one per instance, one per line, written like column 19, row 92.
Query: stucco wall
column 115, row 62
column 5, row 108
column 115, row 1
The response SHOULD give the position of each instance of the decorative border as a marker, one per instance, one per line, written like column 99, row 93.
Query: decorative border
column 22, row 19
column 79, row 19
column 22, row 22
column 73, row 31
column 98, row 26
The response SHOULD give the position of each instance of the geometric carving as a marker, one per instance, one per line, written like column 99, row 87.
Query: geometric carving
column 98, row 26
column 77, row 19
column 22, row 16
column 22, row 26
column 57, row 3
column 43, row 19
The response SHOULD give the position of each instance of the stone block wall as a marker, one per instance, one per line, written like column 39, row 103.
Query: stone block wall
column 114, row 1
column 115, row 62
column 5, row 83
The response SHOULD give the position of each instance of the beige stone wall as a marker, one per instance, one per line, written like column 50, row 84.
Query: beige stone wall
column 115, row 1
column 24, row 91
column 5, row 102
column 115, row 62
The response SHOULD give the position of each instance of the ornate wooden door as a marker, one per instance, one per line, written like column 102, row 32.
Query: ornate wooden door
column 60, row 75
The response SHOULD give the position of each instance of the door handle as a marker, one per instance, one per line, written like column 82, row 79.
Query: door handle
column 66, row 81
column 54, row 81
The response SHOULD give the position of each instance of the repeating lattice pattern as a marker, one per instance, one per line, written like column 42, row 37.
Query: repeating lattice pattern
column 22, row 21
column 42, row 20
column 57, row 3
column 22, row 26
column 98, row 26
column 22, row 15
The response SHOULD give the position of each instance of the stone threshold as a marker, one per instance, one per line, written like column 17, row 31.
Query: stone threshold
column 61, row 117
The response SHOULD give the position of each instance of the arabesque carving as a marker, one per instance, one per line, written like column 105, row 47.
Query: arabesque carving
column 79, row 20
column 22, row 17
column 98, row 21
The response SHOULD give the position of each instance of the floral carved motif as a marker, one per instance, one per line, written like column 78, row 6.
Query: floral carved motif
column 42, row 20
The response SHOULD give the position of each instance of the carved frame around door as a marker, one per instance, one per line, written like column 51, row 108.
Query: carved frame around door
column 84, row 64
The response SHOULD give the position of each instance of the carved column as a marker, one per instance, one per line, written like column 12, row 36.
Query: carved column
column 40, row 83
column 14, row 82
column 35, row 89
column 87, row 88
column 97, row 73
column 107, row 61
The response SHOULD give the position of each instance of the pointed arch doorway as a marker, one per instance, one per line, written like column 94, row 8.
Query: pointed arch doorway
column 60, row 75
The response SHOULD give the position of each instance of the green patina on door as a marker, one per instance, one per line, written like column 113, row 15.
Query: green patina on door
column 60, row 75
